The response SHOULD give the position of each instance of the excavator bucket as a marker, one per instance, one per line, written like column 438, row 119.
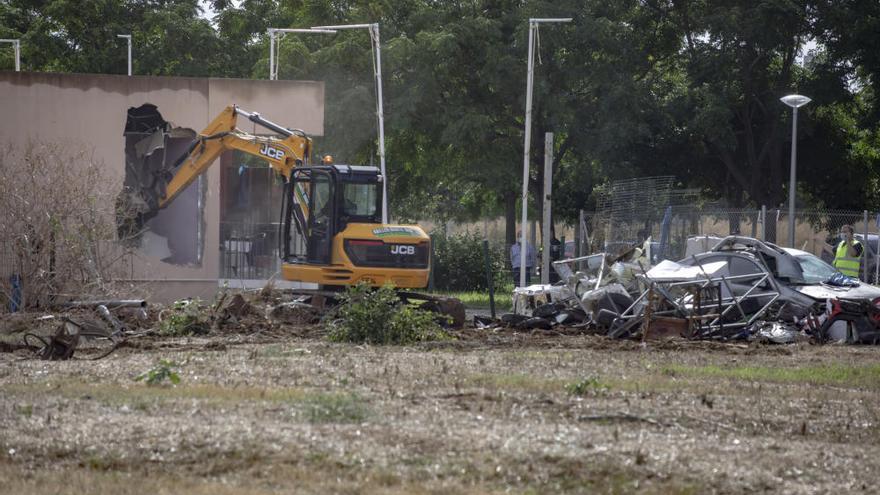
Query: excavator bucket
column 152, row 149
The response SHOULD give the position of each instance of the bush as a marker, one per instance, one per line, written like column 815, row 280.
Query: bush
column 585, row 386
column 377, row 316
column 57, row 226
column 185, row 317
column 459, row 263
column 164, row 370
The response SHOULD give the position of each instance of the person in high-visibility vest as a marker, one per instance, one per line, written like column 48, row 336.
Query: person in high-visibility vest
column 848, row 255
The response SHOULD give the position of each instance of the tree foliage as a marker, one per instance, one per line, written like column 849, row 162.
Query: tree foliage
column 629, row 88
column 459, row 262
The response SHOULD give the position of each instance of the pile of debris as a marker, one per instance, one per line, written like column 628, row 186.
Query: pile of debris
column 599, row 283
column 74, row 326
column 94, row 329
column 624, row 296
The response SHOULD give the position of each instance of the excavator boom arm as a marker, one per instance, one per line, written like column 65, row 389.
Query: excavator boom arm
column 283, row 155
column 152, row 183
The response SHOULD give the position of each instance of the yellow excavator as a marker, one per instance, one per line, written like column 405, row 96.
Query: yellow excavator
column 335, row 208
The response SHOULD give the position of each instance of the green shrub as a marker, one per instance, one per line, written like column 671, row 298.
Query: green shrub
column 377, row 316
column 186, row 317
column 164, row 370
column 459, row 264
column 585, row 386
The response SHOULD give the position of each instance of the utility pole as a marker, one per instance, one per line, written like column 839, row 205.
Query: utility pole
column 128, row 38
column 795, row 102
column 548, row 189
column 380, row 113
column 533, row 28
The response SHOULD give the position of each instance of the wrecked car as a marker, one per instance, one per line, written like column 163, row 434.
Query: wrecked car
column 586, row 285
column 740, row 289
column 809, row 286
column 803, row 277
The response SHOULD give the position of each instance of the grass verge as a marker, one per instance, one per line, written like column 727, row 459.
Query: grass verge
column 515, row 381
column 335, row 408
column 480, row 299
column 836, row 374
column 313, row 407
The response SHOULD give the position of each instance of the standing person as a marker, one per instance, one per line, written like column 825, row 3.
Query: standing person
column 848, row 255
column 515, row 260
column 555, row 255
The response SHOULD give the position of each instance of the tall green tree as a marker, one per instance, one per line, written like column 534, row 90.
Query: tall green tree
column 169, row 36
column 629, row 88
column 739, row 59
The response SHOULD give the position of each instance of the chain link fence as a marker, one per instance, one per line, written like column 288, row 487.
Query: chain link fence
column 249, row 251
column 816, row 231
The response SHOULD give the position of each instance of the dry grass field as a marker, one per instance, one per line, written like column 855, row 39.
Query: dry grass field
column 490, row 412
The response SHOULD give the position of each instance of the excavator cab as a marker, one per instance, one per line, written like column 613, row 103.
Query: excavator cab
column 336, row 196
column 343, row 239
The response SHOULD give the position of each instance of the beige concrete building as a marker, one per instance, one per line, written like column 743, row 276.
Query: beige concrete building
column 89, row 111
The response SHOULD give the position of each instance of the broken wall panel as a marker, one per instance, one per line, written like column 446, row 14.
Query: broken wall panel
column 153, row 146
column 176, row 235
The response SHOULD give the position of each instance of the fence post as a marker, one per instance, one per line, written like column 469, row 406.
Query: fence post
column 763, row 222
column 577, row 236
column 431, row 264
column 489, row 277
column 548, row 205
column 585, row 235
column 754, row 221
column 865, row 248
column 778, row 214
column 877, row 253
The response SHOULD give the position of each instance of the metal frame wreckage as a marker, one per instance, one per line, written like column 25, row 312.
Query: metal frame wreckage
column 624, row 297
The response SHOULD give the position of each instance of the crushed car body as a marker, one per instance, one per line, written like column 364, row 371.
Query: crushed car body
column 739, row 288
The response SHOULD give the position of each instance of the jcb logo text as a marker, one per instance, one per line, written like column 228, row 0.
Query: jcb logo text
column 400, row 249
column 272, row 152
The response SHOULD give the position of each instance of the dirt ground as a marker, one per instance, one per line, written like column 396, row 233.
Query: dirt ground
column 493, row 411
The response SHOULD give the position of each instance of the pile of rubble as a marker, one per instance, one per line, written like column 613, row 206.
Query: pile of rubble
column 625, row 296
column 93, row 329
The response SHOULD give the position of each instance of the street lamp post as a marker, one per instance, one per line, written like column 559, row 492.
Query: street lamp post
column 533, row 28
column 380, row 115
column 795, row 102
column 273, row 34
column 128, row 38
column 16, row 46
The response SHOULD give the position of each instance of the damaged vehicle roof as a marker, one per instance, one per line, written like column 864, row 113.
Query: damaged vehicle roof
column 798, row 273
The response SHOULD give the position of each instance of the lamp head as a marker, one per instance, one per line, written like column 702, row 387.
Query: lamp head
column 795, row 101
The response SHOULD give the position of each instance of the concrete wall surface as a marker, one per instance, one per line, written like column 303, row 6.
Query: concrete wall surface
column 88, row 112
